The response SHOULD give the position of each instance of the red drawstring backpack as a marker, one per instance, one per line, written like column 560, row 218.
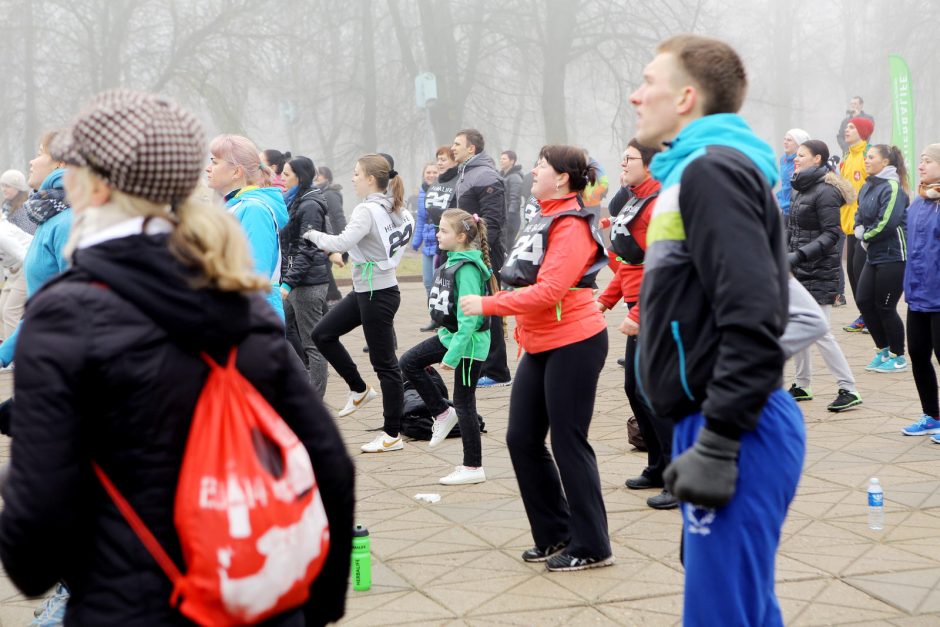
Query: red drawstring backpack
column 248, row 512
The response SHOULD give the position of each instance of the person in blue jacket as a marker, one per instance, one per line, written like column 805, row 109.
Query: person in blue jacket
column 922, row 291
column 425, row 238
column 235, row 171
column 791, row 141
column 49, row 209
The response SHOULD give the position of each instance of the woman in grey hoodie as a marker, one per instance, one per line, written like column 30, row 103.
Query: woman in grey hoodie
column 375, row 238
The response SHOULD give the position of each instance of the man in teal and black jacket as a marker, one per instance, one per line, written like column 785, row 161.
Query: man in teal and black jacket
column 713, row 306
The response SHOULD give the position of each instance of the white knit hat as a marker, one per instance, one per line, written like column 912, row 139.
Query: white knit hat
column 798, row 135
column 15, row 179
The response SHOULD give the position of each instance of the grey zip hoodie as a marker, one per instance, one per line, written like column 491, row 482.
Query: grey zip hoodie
column 362, row 230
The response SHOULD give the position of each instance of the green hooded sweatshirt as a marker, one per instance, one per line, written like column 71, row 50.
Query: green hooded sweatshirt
column 466, row 342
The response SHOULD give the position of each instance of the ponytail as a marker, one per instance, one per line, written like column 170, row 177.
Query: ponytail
column 397, row 189
column 895, row 158
column 474, row 227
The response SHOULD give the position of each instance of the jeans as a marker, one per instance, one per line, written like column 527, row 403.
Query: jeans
column 428, row 353
column 12, row 302
column 555, row 390
column 376, row 315
column 304, row 307
column 427, row 272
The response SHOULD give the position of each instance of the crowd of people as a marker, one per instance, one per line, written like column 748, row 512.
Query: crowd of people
column 141, row 253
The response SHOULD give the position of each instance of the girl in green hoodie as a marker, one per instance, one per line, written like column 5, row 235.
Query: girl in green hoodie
column 462, row 342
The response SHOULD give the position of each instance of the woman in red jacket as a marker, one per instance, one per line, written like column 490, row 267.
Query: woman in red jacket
column 555, row 259
column 628, row 241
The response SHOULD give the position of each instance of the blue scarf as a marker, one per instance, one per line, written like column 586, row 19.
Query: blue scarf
column 290, row 194
column 54, row 180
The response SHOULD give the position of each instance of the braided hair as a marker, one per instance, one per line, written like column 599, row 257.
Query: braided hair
column 474, row 227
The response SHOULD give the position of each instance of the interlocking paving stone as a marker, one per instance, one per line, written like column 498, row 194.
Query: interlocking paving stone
column 456, row 562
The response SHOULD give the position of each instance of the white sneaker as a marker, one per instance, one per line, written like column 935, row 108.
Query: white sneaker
column 440, row 428
column 355, row 400
column 463, row 475
column 384, row 443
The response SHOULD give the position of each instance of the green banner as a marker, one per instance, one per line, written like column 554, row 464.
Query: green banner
column 902, row 108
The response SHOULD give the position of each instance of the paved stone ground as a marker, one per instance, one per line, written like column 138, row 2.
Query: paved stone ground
column 457, row 561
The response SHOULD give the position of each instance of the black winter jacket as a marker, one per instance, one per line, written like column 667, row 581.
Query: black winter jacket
column 882, row 213
column 480, row 190
column 108, row 369
column 302, row 263
column 814, row 231
column 334, row 209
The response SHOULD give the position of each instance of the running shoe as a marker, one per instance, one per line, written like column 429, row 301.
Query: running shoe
column 441, row 427
column 463, row 476
column 486, row 382
column 845, row 400
column 895, row 363
column 856, row 327
column 355, row 400
column 384, row 443
column 925, row 426
column 538, row 554
column 800, row 394
column 880, row 358
column 52, row 611
column 563, row 562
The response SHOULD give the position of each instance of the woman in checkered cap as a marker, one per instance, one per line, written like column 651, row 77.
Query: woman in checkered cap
column 236, row 173
column 109, row 369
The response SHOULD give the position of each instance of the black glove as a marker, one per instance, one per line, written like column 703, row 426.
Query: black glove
column 793, row 258
column 707, row 473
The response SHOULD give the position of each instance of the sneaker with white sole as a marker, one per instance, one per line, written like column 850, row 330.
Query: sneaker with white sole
column 52, row 611
column 880, row 358
column 927, row 425
column 355, row 400
column 384, row 443
column 442, row 427
column 894, row 363
column 463, row 476
column 935, row 438
column 564, row 562
column 487, row 382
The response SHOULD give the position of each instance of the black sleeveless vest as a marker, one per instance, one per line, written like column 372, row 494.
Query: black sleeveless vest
column 442, row 302
column 621, row 241
column 522, row 266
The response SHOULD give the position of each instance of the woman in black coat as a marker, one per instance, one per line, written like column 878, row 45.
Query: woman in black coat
column 109, row 371
column 813, row 252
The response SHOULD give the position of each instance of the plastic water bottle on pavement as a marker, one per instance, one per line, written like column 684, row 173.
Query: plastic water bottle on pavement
column 876, row 505
column 361, row 559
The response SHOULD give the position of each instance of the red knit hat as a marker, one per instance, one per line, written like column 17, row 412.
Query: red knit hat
column 864, row 126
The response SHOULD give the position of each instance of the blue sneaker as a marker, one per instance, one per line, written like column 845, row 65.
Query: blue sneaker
column 486, row 382
column 880, row 357
column 856, row 327
column 52, row 611
column 925, row 426
column 895, row 363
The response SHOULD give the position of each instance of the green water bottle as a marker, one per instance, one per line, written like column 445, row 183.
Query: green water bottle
column 361, row 559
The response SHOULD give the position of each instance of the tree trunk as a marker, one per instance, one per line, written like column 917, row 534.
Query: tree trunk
column 369, row 138
column 30, row 126
column 561, row 21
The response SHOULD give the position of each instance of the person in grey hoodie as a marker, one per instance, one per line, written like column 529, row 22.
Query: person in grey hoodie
column 375, row 238
column 480, row 192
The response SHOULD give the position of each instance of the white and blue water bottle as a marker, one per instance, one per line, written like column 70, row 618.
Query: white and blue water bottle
column 876, row 505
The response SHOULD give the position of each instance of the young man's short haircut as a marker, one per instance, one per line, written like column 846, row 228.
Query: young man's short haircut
column 716, row 69
column 511, row 155
column 474, row 138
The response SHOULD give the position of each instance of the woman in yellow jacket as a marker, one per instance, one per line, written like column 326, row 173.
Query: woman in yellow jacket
column 857, row 133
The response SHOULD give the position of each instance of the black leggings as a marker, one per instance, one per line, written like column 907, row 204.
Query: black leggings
column 376, row 315
column 431, row 352
column 879, row 290
column 854, row 264
column 657, row 432
column 555, row 390
column 923, row 337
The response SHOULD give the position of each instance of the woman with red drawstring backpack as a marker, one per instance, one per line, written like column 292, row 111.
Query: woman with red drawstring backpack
column 170, row 462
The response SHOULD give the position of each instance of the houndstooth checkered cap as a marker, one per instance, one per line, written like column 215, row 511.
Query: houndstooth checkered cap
column 139, row 143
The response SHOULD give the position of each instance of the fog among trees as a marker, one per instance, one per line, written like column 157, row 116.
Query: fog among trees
column 332, row 80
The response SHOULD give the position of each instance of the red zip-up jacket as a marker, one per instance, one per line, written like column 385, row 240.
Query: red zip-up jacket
column 542, row 325
column 627, row 278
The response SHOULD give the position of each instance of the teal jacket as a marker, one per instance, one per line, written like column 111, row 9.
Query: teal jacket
column 262, row 213
column 467, row 342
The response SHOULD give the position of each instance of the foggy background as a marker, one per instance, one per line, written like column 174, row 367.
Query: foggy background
column 334, row 79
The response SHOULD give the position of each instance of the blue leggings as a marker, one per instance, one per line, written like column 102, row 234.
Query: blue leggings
column 729, row 552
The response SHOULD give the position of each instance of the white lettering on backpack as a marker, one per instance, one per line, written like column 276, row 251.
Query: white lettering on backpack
column 288, row 551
